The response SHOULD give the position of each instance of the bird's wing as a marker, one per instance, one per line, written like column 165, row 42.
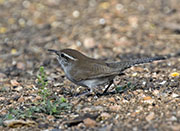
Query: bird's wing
column 93, row 71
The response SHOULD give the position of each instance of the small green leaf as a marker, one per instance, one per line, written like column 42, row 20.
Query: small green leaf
column 63, row 99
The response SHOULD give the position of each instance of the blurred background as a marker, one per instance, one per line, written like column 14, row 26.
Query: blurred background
column 98, row 27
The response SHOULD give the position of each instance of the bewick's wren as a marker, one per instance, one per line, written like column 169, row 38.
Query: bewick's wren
column 89, row 72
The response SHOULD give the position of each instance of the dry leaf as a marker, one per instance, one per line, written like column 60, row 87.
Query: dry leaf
column 18, row 123
column 14, row 83
column 147, row 98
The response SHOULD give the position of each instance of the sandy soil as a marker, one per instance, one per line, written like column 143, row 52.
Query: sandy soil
column 109, row 30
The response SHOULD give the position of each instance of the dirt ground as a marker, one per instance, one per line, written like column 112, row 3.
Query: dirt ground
column 103, row 29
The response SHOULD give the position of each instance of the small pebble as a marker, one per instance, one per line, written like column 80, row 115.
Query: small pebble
column 19, row 88
column 21, row 99
column 174, row 95
column 119, row 7
column 21, row 22
column 58, row 84
column 102, row 21
column 173, row 118
column 89, row 122
column 2, row 75
column 13, row 51
column 156, row 92
column 105, row 115
column 20, row 65
column 144, row 83
column 14, row 83
column 115, row 107
column 26, row 4
column 104, row 5
column 111, row 99
column 176, row 127
column 76, row 14
column 134, row 74
column 162, row 83
column 148, row 100
column 133, row 21
column 150, row 116
column 3, row 30
column 2, row 98
column 89, row 42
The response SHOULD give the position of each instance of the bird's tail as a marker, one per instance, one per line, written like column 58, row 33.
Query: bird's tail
column 122, row 65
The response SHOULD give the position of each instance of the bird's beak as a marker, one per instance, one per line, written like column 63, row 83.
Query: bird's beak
column 55, row 51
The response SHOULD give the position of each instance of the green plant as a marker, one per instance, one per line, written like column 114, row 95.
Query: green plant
column 55, row 107
column 48, row 104
column 42, row 83
column 126, row 87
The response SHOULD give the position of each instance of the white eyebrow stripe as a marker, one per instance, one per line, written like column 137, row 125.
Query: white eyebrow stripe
column 72, row 58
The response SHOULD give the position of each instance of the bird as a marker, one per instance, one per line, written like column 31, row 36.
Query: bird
column 90, row 72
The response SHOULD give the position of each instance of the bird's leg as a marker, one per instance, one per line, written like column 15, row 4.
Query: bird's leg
column 110, row 83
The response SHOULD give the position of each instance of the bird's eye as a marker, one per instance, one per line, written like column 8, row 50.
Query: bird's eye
column 62, row 55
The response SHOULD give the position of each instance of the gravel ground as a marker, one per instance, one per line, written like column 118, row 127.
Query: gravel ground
column 109, row 30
